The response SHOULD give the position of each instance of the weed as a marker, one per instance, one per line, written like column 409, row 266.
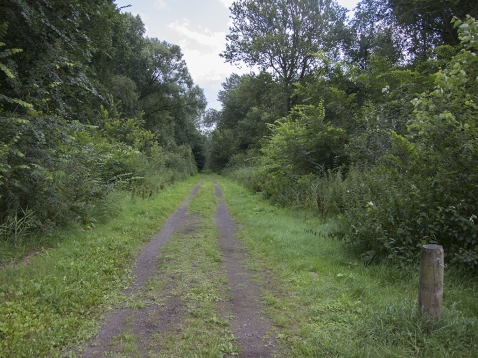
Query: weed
column 16, row 228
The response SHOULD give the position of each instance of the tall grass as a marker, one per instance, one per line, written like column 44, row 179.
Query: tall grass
column 380, row 214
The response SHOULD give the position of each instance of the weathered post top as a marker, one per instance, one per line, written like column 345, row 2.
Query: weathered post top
column 433, row 247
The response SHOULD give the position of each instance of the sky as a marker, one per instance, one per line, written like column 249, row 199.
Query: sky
column 199, row 27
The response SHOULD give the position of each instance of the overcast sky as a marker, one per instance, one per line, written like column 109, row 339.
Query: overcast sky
column 200, row 28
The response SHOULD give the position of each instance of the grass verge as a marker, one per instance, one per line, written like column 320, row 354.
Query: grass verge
column 326, row 303
column 54, row 301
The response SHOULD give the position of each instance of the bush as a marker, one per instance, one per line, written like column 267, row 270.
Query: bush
column 60, row 169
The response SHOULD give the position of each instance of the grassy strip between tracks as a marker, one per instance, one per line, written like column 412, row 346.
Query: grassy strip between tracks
column 324, row 302
column 54, row 301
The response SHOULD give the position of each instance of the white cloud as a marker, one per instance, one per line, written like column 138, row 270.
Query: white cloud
column 144, row 17
column 206, row 66
column 227, row 3
column 203, row 37
column 201, row 48
column 160, row 5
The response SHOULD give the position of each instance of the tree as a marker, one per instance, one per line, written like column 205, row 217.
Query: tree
column 374, row 31
column 223, row 146
column 423, row 188
column 58, row 39
column 121, row 68
column 303, row 143
column 444, row 137
column 88, row 73
column 428, row 22
column 167, row 89
column 249, row 102
column 283, row 36
column 5, row 70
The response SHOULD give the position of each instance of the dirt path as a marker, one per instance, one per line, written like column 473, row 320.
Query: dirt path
column 157, row 308
column 250, row 325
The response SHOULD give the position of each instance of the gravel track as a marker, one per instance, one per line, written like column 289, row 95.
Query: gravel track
column 250, row 325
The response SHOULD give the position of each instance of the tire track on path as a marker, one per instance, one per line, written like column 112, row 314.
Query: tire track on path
column 251, row 327
column 146, row 267
column 158, row 306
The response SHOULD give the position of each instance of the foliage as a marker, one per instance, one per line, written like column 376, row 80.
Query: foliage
column 88, row 105
column 222, row 148
column 444, row 137
column 374, row 32
column 413, row 197
column 386, row 142
column 58, row 39
column 6, row 70
column 283, row 36
column 249, row 103
column 429, row 22
column 300, row 144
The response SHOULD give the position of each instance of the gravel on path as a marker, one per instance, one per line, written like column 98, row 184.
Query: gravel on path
column 146, row 266
column 249, row 324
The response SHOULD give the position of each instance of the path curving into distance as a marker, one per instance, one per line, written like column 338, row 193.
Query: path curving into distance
column 166, row 313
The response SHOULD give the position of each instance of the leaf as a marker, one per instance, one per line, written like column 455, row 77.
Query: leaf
column 6, row 70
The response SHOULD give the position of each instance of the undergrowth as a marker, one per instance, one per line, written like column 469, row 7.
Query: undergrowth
column 325, row 302
column 54, row 300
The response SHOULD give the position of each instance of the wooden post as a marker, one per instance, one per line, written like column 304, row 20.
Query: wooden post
column 430, row 290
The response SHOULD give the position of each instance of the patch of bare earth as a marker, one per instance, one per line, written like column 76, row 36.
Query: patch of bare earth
column 251, row 327
column 141, row 323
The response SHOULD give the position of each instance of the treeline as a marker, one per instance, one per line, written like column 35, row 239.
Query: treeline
column 371, row 122
column 88, row 104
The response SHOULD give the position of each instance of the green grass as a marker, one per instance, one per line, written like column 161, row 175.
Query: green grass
column 54, row 302
column 322, row 301
column 326, row 303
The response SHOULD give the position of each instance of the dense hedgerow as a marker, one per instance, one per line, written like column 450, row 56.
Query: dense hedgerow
column 408, row 185
column 57, row 170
